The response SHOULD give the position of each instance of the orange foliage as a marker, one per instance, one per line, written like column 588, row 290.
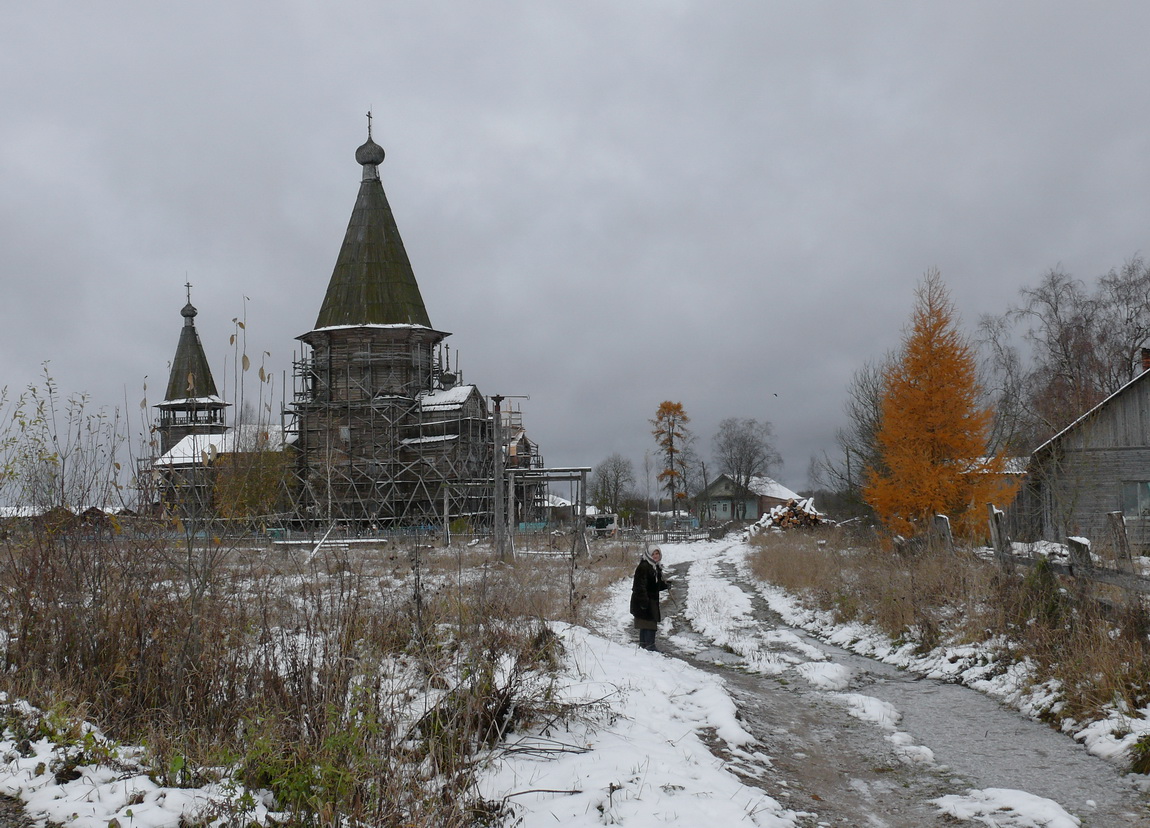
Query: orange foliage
column 670, row 431
column 932, row 439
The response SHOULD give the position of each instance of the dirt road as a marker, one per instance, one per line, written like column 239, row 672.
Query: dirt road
column 842, row 771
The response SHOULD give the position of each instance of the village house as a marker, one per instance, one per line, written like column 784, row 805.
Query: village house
column 724, row 499
column 1096, row 467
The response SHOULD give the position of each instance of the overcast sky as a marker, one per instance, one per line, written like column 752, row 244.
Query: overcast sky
column 609, row 204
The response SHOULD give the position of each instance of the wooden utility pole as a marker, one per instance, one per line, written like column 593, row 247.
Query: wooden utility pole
column 497, row 512
column 510, row 517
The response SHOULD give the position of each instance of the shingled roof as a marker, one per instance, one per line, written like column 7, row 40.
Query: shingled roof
column 191, row 378
column 373, row 283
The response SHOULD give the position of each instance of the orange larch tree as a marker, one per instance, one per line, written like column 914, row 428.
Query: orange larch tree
column 933, row 435
column 670, row 432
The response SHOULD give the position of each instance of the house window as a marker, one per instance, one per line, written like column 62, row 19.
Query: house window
column 1136, row 498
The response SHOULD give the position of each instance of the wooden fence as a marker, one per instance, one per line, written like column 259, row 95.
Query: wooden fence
column 1081, row 565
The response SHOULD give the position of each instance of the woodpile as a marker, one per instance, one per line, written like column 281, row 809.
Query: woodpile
column 794, row 514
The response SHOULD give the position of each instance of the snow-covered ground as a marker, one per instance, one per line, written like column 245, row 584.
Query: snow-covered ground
column 638, row 756
column 643, row 762
column 657, row 714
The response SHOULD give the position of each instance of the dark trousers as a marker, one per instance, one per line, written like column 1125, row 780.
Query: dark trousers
column 647, row 639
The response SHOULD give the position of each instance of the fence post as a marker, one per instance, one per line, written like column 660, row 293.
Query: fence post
column 1081, row 566
column 942, row 532
column 1121, row 541
column 998, row 538
column 1080, row 558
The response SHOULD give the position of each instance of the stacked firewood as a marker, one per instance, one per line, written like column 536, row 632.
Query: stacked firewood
column 794, row 514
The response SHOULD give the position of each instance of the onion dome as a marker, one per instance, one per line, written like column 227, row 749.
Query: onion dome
column 369, row 153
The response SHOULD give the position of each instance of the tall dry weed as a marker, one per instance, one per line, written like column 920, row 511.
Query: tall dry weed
column 1095, row 646
column 331, row 679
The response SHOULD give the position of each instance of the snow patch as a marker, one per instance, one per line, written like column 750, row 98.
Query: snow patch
column 1005, row 808
column 825, row 675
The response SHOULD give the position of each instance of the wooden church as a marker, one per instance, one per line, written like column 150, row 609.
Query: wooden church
column 386, row 434
column 380, row 433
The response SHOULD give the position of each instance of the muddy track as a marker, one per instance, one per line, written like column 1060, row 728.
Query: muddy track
column 840, row 771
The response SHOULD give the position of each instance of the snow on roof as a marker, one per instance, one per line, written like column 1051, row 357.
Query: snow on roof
column 19, row 511
column 554, row 501
column 420, row 441
column 445, row 398
column 36, row 511
column 195, row 447
column 390, row 325
column 1010, row 465
column 766, row 487
column 213, row 400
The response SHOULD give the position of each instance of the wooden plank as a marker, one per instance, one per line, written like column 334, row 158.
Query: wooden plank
column 1121, row 542
column 1124, row 580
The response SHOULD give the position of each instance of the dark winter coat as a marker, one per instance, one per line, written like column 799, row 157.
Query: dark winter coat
column 645, row 591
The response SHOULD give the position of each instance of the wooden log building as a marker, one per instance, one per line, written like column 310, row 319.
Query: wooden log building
column 381, row 433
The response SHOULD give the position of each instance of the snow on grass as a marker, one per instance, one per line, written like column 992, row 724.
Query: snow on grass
column 1004, row 808
column 640, row 759
column 980, row 666
column 112, row 787
column 635, row 755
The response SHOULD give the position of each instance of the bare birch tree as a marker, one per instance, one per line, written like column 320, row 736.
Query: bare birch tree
column 745, row 448
column 611, row 481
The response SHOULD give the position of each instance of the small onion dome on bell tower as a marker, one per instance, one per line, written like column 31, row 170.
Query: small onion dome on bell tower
column 369, row 154
column 189, row 313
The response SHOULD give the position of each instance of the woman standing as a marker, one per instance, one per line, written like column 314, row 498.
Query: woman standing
column 645, row 591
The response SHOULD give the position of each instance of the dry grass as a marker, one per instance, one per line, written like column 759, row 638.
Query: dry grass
column 1096, row 649
column 1095, row 646
column 305, row 673
column 920, row 598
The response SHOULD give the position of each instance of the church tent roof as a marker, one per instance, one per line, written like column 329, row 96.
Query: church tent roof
column 372, row 283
